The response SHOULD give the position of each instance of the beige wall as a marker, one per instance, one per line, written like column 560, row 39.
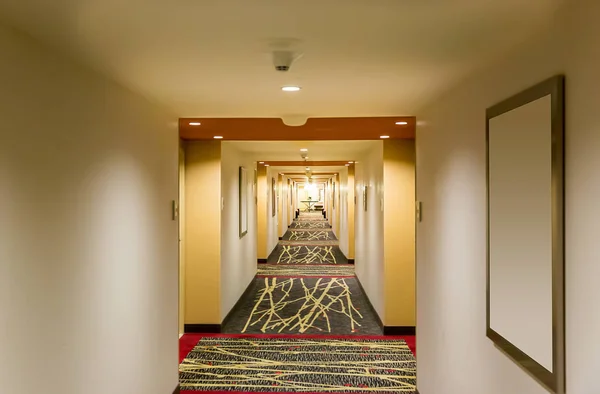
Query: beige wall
column 181, row 218
column 238, row 255
column 336, row 209
column 272, row 221
column 369, row 233
column 261, row 212
column 281, row 225
column 88, row 246
column 452, row 236
column 203, row 232
column 399, row 231
column 351, row 210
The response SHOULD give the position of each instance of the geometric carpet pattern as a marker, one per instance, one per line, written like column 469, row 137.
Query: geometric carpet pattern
column 307, row 254
column 304, row 305
column 299, row 365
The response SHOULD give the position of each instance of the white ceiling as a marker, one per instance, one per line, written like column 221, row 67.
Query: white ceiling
column 212, row 57
column 317, row 150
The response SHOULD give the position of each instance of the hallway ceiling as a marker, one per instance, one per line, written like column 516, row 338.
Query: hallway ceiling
column 212, row 58
column 317, row 150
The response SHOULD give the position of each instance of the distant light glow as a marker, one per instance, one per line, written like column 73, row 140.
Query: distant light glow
column 218, row 137
column 384, row 136
column 401, row 123
column 195, row 123
column 290, row 88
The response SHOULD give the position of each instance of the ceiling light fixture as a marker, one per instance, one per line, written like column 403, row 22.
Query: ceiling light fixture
column 195, row 123
column 266, row 165
column 384, row 136
column 401, row 123
column 350, row 162
column 347, row 165
column 290, row 88
column 261, row 162
column 218, row 137
column 303, row 150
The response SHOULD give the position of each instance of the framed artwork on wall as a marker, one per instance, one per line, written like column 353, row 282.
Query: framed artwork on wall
column 273, row 197
column 333, row 197
column 365, row 196
column 243, row 202
column 525, row 231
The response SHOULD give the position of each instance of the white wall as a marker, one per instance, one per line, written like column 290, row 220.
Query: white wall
column 369, row 227
column 343, row 207
column 452, row 237
column 88, row 248
column 238, row 255
column 272, row 221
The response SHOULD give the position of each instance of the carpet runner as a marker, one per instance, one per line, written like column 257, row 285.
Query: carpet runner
column 269, row 364
column 305, row 326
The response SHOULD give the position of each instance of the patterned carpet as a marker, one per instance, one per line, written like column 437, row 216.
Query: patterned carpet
column 305, row 270
column 309, row 224
column 304, row 305
column 309, row 235
column 306, row 287
column 307, row 254
column 299, row 365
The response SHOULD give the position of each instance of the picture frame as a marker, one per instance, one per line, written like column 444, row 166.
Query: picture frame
column 243, row 202
column 333, row 195
column 273, row 197
column 365, row 196
column 525, row 230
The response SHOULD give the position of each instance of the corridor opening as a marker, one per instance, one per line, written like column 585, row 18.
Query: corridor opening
column 326, row 250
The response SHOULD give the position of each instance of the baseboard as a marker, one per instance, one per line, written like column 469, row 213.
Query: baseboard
column 245, row 295
column 350, row 261
column 177, row 390
column 202, row 328
column 379, row 321
column 399, row 330
column 261, row 261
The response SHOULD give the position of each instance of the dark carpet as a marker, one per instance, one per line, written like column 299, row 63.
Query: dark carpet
column 307, row 254
column 304, row 305
column 309, row 224
column 305, row 270
column 299, row 365
column 309, row 235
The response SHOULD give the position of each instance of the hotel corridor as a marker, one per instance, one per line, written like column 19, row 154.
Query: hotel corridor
column 304, row 325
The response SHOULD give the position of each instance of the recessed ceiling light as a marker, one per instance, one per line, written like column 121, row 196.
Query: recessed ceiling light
column 266, row 165
column 290, row 88
column 384, row 136
column 347, row 165
column 303, row 150
column 261, row 162
column 308, row 168
column 401, row 123
column 195, row 123
column 218, row 137
column 350, row 162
